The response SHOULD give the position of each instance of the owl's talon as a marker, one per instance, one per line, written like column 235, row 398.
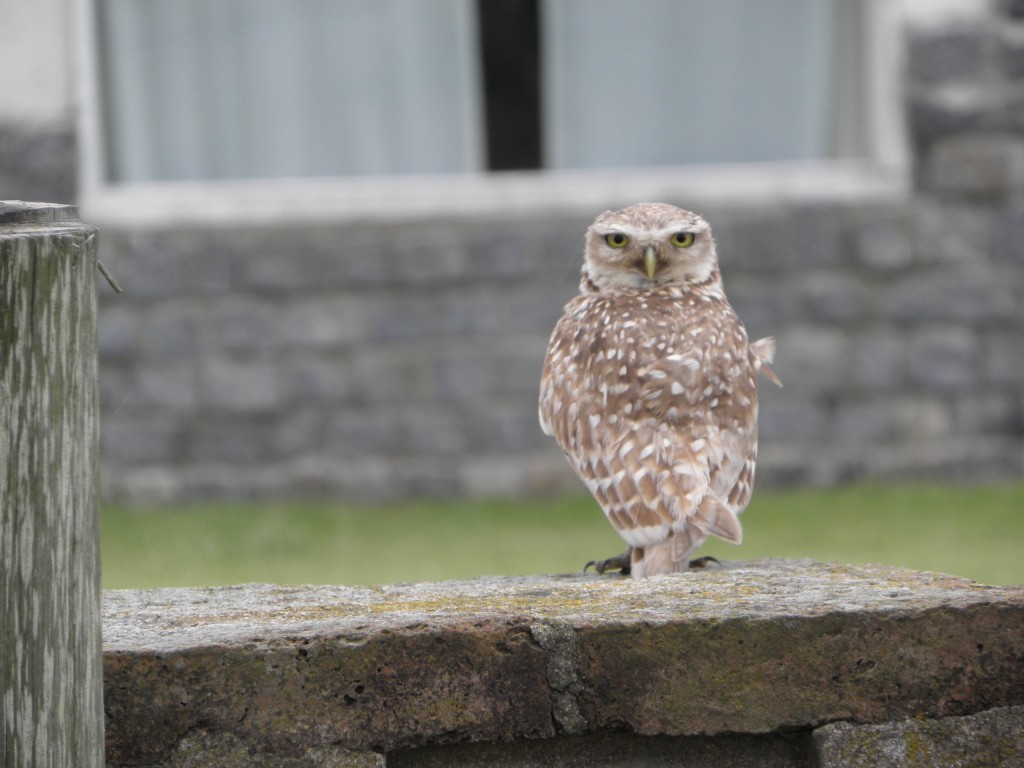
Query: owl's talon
column 620, row 563
column 704, row 562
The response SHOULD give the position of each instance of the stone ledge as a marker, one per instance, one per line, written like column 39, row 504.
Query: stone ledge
column 761, row 647
column 992, row 738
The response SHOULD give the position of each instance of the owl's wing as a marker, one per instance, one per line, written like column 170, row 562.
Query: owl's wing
column 706, row 441
column 553, row 384
column 737, row 480
column 630, row 473
column 653, row 480
column 671, row 387
column 762, row 353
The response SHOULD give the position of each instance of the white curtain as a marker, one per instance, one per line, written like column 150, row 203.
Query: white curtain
column 206, row 89
column 661, row 82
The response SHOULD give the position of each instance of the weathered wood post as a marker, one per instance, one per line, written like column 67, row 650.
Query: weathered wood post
column 51, row 677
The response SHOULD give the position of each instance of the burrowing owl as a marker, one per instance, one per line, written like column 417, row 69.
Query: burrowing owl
column 650, row 387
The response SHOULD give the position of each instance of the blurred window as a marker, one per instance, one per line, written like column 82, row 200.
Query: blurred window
column 222, row 89
column 670, row 82
column 243, row 89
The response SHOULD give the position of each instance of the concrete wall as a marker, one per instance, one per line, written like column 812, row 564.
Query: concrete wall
column 742, row 665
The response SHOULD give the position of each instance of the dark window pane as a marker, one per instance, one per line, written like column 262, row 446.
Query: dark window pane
column 511, row 58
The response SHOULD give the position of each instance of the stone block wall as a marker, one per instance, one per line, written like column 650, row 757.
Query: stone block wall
column 358, row 360
column 388, row 361
column 37, row 162
column 767, row 663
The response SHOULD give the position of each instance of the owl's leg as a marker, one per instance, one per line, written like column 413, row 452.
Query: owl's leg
column 623, row 563
column 620, row 563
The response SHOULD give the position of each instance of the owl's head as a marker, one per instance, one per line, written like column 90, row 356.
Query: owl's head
column 648, row 245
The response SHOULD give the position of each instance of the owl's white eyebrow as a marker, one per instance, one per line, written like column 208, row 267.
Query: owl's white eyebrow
column 673, row 229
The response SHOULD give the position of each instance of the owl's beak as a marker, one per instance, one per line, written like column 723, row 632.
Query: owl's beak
column 650, row 261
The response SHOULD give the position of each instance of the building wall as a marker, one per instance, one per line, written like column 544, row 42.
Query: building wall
column 395, row 360
column 37, row 142
column 389, row 360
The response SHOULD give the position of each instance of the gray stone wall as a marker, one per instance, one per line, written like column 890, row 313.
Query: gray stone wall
column 387, row 361
column 37, row 162
column 364, row 361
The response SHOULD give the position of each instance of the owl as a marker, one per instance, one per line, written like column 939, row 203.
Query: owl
column 650, row 387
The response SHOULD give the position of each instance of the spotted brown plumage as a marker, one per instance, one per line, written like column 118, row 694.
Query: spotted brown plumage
column 650, row 386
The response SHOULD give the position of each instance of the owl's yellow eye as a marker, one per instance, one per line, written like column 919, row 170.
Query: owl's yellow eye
column 616, row 239
column 682, row 239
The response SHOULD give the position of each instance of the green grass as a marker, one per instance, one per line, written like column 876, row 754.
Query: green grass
column 977, row 532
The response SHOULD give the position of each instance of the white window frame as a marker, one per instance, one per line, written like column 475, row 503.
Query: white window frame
column 884, row 174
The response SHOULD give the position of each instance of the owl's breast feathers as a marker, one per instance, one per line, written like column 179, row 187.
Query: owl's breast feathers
column 667, row 354
column 652, row 395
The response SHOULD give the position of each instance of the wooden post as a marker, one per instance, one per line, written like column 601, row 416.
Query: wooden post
column 51, row 676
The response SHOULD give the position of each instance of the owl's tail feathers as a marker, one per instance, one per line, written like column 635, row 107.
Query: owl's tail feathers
column 714, row 518
column 764, row 353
